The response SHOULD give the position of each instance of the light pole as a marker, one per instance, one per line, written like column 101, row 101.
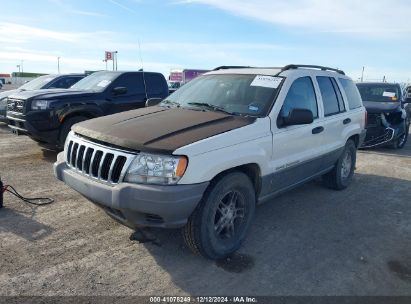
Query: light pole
column 105, row 60
column 362, row 74
column 18, row 66
column 58, row 65
column 115, row 59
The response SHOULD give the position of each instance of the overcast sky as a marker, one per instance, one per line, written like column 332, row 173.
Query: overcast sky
column 172, row 34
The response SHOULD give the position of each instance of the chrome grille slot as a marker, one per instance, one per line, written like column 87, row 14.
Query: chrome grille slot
column 96, row 161
column 15, row 105
column 87, row 160
column 95, row 166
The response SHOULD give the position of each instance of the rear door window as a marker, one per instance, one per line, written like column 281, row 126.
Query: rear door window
column 155, row 84
column 132, row 81
column 351, row 91
column 329, row 96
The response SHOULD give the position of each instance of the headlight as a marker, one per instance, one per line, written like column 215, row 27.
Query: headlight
column 40, row 104
column 156, row 169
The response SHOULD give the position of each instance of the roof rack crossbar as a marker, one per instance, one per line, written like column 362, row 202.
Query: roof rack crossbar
column 226, row 67
column 323, row 68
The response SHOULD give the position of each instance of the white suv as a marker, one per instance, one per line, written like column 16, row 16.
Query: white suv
column 207, row 155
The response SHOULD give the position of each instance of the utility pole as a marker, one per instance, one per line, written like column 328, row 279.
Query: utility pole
column 58, row 65
column 362, row 74
column 19, row 77
column 115, row 59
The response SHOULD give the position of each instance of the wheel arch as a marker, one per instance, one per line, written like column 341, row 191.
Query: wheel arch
column 252, row 170
column 356, row 139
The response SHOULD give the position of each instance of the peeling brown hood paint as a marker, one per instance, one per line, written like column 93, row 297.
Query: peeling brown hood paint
column 159, row 129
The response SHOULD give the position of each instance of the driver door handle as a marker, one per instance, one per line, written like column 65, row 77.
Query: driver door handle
column 317, row 130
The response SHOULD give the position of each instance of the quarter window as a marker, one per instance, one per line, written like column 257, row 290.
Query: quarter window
column 301, row 95
column 351, row 91
column 329, row 96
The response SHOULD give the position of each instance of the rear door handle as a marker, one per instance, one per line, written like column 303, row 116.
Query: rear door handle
column 317, row 130
column 346, row 121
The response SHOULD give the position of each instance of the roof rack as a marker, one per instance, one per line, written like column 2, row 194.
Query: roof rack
column 226, row 67
column 323, row 68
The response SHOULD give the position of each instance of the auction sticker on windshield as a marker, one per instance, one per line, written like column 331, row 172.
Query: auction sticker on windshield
column 388, row 94
column 103, row 83
column 266, row 81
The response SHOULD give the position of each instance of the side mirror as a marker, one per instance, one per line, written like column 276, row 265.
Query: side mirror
column 298, row 117
column 119, row 91
column 153, row 102
column 408, row 96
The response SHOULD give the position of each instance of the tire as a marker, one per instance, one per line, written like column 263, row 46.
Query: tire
column 400, row 142
column 341, row 175
column 66, row 127
column 208, row 231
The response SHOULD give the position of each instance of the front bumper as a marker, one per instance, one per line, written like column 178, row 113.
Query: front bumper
column 136, row 205
column 382, row 136
column 3, row 117
column 41, row 128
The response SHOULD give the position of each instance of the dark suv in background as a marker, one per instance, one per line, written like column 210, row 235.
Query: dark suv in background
column 59, row 81
column 388, row 116
column 48, row 115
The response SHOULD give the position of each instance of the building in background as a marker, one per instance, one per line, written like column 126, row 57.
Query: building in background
column 178, row 78
column 18, row 78
column 5, row 78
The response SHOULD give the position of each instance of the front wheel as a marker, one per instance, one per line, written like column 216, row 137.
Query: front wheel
column 66, row 127
column 400, row 142
column 220, row 223
column 341, row 175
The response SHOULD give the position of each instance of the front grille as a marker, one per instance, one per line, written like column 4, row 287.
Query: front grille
column 96, row 161
column 380, row 138
column 15, row 105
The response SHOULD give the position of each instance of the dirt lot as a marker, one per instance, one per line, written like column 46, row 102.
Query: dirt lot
column 312, row 241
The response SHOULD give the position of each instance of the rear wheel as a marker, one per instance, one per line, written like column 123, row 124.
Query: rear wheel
column 66, row 127
column 220, row 223
column 341, row 176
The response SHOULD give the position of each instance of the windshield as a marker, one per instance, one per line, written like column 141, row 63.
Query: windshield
column 37, row 83
column 379, row 92
column 232, row 93
column 96, row 82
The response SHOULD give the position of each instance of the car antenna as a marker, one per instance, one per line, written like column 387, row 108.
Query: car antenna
column 142, row 68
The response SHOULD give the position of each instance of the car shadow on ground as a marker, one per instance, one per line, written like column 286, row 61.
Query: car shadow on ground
column 309, row 241
column 22, row 224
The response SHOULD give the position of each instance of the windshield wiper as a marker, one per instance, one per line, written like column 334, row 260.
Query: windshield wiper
column 171, row 103
column 212, row 107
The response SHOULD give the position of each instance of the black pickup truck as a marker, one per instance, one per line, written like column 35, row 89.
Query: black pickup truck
column 57, row 81
column 48, row 115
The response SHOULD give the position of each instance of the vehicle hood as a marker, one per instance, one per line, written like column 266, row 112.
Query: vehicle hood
column 382, row 107
column 158, row 129
column 50, row 94
column 8, row 93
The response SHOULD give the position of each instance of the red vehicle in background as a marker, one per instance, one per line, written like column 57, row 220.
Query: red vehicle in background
column 178, row 78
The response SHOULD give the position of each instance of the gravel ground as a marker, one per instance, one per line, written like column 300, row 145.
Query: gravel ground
column 310, row 241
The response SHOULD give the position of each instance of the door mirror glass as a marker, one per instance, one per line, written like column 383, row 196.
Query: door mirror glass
column 119, row 91
column 408, row 96
column 153, row 102
column 298, row 117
